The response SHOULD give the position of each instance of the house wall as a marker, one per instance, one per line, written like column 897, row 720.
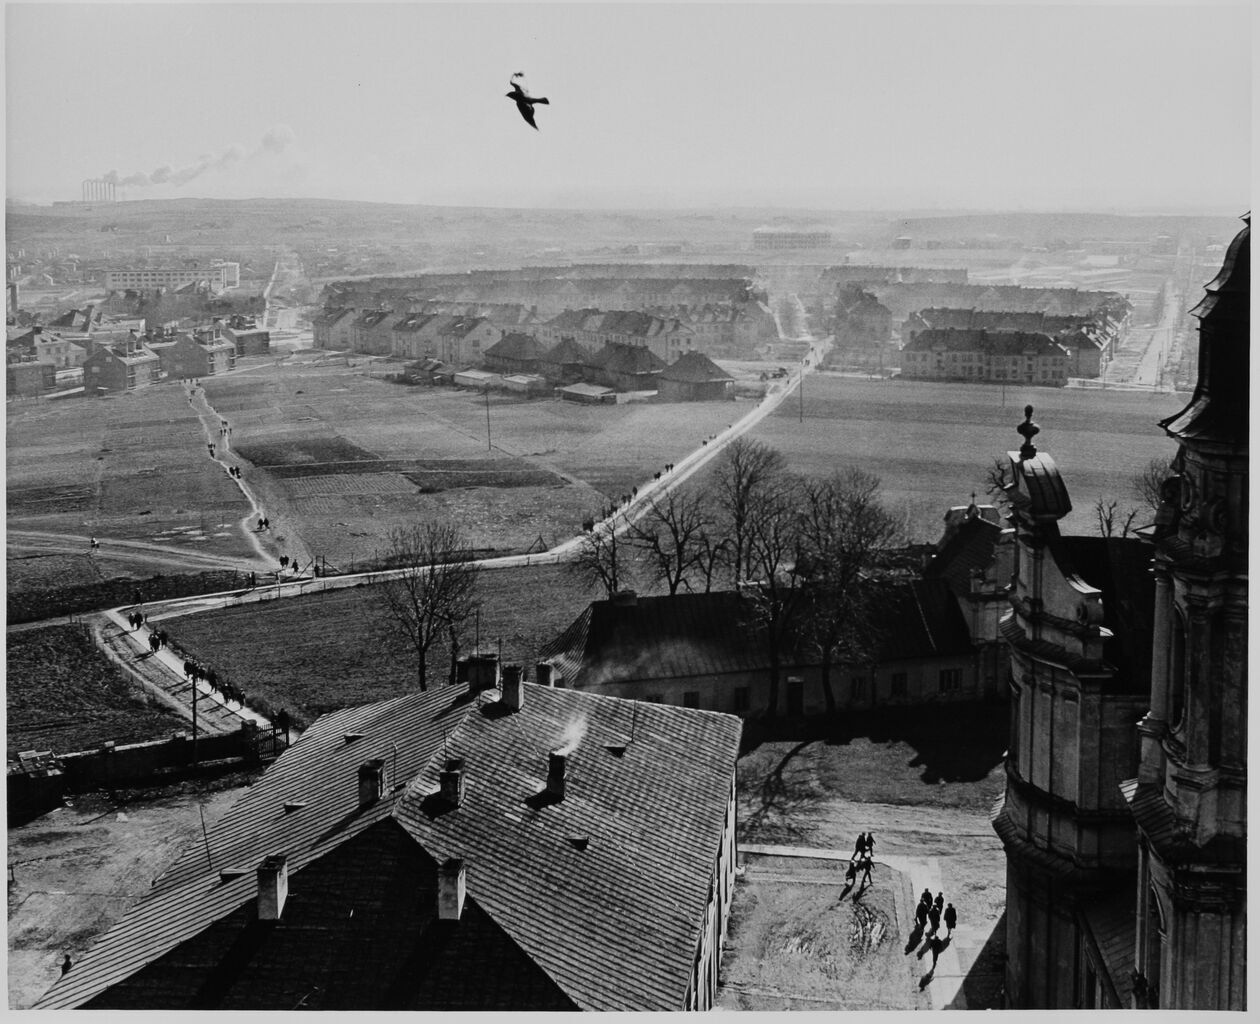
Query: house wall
column 702, row 992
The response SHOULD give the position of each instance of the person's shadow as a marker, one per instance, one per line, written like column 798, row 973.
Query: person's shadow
column 915, row 936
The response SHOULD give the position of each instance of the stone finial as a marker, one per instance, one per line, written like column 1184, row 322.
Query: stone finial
column 1028, row 430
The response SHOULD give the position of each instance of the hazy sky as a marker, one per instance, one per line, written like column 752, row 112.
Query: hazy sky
column 848, row 106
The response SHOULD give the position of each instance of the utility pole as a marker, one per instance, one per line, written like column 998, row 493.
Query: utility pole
column 800, row 394
column 489, row 447
column 194, row 752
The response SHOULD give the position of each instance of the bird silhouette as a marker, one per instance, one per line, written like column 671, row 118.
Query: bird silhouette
column 525, row 102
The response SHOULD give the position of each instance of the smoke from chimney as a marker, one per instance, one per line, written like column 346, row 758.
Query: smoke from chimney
column 574, row 733
column 275, row 143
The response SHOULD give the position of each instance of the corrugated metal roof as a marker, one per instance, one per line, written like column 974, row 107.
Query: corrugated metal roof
column 615, row 924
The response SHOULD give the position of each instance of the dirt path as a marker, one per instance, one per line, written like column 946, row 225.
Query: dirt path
column 140, row 551
column 76, row 870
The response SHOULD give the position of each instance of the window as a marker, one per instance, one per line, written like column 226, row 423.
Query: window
column 950, row 680
column 741, row 699
column 858, row 683
column 691, row 698
column 654, row 698
column 899, row 684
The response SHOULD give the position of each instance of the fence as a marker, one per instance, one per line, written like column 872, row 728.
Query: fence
column 46, row 781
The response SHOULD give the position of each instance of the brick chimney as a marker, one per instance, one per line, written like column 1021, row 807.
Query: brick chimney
column 452, row 781
column 512, row 687
column 371, row 781
column 273, row 886
column 483, row 671
column 542, row 673
column 556, row 765
column 451, row 888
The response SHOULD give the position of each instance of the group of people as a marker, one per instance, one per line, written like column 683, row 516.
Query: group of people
column 197, row 673
column 157, row 640
column 137, row 619
column 234, row 471
column 863, row 858
column 263, row 523
column 932, row 912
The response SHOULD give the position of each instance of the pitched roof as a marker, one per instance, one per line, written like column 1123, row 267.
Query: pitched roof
column 970, row 547
column 695, row 368
column 614, row 922
column 684, row 635
column 515, row 346
column 989, row 342
column 629, row 359
column 566, row 350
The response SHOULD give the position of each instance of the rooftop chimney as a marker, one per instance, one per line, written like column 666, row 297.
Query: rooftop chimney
column 451, row 885
column 556, row 764
column 542, row 673
column 273, row 886
column 512, row 687
column 371, row 781
column 452, row 781
column 483, row 671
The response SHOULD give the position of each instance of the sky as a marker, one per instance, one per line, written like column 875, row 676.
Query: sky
column 841, row 106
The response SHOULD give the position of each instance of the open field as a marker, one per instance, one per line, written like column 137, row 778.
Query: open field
column 324, row 651
column 129, row 467
column 932, row 443
column 338, row 457
column 62, row 694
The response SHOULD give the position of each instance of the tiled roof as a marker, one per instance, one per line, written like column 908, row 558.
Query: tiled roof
column 695, row 368
column 331, row 315
column 970, row 548
column 517, row 346
column 1110, row 922
column 613, row 921
column 629, row 359
column 713, row 634
column 990, row 342
column 566, row 350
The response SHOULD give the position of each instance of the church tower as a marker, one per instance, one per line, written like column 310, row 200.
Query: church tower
column 1078, row 632
column 1190, row 794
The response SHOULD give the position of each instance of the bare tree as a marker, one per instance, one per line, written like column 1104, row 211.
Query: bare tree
column 746, row 470
column 674, row 534
column 844, row 527
column 1148, row 483
column 604, row 557
column 430, row 592
column 996, row 481
column 714, row 553
column 773, row 582
column 1110, row 518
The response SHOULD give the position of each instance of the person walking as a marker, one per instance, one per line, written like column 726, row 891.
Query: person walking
column 859, row 846
column 921, row 915
column 870, row 844
column 934, row 917
column 866, row 872
column 951, row 919
column 926, row 897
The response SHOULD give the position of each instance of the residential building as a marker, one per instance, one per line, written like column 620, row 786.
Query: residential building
column 127, row 367
column 408, row 342
column 464, row 340
column 29, row 379
column 626, row 367
column 247, row 336
column 192, row 356
column 695, row 378
column 565, row 362
column 514, row 353
column 863, row 331
column 668, row 338
column 371, row 332
column 984, row 356
column 216, row 275
column 778, row 240
column 460, row 848
column 332, row 328
column 708, row 650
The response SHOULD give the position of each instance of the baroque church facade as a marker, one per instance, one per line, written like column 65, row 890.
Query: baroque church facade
column 1124, row 815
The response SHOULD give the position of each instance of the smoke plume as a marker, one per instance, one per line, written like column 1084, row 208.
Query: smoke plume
column 275, row 143
column 574, row 733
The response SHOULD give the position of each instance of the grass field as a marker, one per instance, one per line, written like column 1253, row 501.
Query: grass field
column 130, row 467
column 931, row 444
column 339, row 457
column 62, row 694
column 324, row 651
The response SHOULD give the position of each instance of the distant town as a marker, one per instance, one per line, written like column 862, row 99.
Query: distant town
column 397, row 591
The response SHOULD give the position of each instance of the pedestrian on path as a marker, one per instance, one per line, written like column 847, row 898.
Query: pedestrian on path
column 951, row 919
column 859, row 846
column 926, row 897
column 934, row 917
column 866, row 872
column 939, row 902
column 921, row 915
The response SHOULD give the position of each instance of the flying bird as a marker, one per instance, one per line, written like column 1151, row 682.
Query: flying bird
column 525, row 102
